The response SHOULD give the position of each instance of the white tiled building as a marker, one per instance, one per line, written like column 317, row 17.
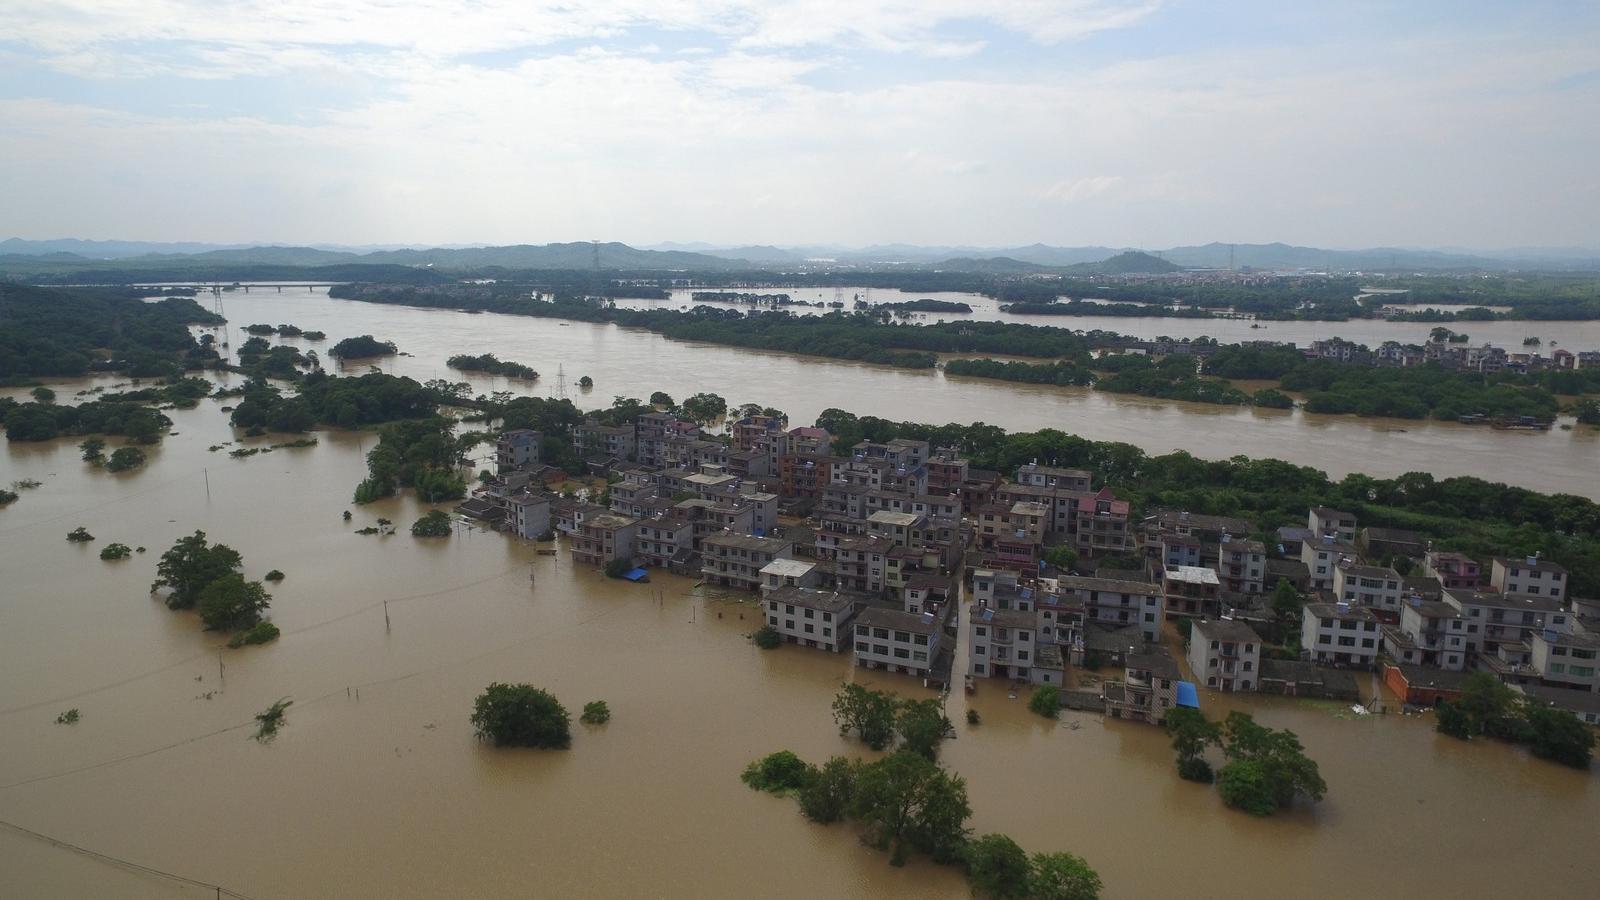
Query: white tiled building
column 1225, row 655
column 820, row 619
column 1339, row 634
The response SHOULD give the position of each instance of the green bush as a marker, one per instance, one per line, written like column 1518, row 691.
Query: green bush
column 768, row 638
column 1046, row 701
column 776, row 773
column 125, row 458
column 595, row 713
column 521, row 715
column 618, row 568
column 80, row 535
column 115, row 551
column 1195, row 769
column 435, row 524
column 259, row 633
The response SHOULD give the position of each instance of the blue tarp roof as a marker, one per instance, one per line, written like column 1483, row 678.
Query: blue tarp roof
column 1187, row 695
column 636, row 574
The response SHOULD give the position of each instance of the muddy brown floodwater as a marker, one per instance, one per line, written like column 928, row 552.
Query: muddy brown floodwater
column 376, row 787
column 634, row 363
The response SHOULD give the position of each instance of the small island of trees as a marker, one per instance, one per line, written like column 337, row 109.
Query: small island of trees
column 521, row 715
column 205, row 577
column 362, row 347
column 488, row 363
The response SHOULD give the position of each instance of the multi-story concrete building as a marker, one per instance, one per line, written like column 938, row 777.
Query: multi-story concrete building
column 1052, row 477
column 1110, row 601
column 667, row 542
column 1102, row 525
column 529, row 515
column 820, row 619
column 1241, row 565
column 1376, row 587
column 1530, row 576
column 1339, row 634
column 1193, row 591
column 603, row 538
column 593, row 439
column 1148, row 689
column 1431, row 633
column 736, row 560
column 1225, row 655
column 1324, row 521
column 517, row 448
column 1002, row 642
column 896, row 640
column 1455, row 571
column 1506, row 618
column 1566, row 659
column 1321, row 555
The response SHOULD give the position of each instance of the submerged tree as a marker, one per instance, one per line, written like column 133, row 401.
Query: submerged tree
column 521, row 715
column 190, row 565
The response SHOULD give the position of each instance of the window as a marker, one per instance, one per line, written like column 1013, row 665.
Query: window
column 773, row 621
column 1346, row 641
column 977, row 669
column 902, row 653
column 1557, row 668
column 880, row 649
column 1581, row 671
column 827, row 617
column 1322, row 639
column 826, row 631
column 982, row 631
column 1212, row 681
column 1022, row 655
column 772, row 605
column 920, row 656
column 860, row 629
column 903, row 637
column 1213, row 663
column 1367, row 643
column 922, row 639
column 881, row 634
column 789, row 608
column 1248, row 665
column 788, row 623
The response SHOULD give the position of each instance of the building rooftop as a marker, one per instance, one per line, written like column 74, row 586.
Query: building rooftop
column 1005, row 618
column 900, row 620
column 608, row 520
column 885, row 517
column 788, row 568
column 824, row 601
column 1226, row 630
column 1497, row 600
column 1585, row 640
column 1158, row 664
column 1564, row 698
column 1342, row 611
column 749, row 542
column 1435, row 609
column 1192, row 575
column 1085, row 583
column 1531, row 563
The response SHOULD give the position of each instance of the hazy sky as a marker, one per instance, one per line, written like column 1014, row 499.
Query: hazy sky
column 991, row 122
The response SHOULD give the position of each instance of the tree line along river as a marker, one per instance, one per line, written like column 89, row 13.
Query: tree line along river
column 376, row 788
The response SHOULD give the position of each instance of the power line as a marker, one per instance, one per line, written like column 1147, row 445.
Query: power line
column 125, row 863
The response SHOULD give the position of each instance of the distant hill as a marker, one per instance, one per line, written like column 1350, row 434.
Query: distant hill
column 102, row 249
column 1288, row 256
column 760, row 254
column 1003, row 265
column 1132, row 262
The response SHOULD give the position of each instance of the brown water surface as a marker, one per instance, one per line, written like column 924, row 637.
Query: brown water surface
column 376, row 787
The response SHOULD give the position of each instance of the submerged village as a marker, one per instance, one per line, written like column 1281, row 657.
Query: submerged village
column 1081, row 603
column 873, row 552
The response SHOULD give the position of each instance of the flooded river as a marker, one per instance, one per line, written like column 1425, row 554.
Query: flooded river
column 376, row 787
column 1574, row 336
column 632, row 363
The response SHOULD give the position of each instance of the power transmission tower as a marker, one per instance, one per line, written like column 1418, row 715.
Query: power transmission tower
column 599, row 294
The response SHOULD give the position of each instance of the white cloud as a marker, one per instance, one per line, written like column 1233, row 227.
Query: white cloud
column 762, row 135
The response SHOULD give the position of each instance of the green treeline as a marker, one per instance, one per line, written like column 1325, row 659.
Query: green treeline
column 1474, row 516
column 46, row 421
column 492, row 365
column 362, row 347
column 1329, row 386
column 53, row 332
column 861, row 337
column 1062, row 373
column 345, row 402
